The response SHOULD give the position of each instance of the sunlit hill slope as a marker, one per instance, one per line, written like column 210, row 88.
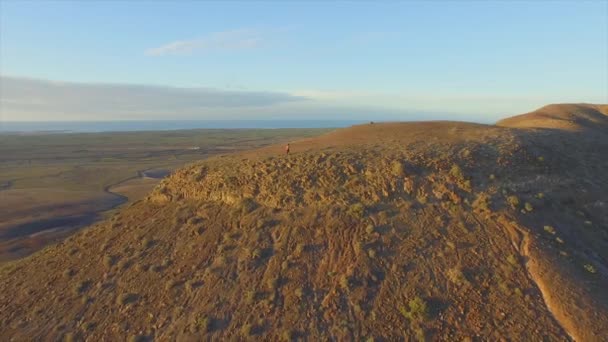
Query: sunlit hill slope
column 389, row 231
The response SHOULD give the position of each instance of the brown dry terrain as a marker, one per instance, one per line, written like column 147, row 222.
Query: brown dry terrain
column 442, row 231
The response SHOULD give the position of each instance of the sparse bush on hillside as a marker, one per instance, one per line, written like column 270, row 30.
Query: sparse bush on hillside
column 456, row 172
column 85, row 300
column 171, row 283
column 300, row 248
column 371, row 253
column 422, row 198
column 246, row 330
column 549, row 229
column 370, row 229
column 137, row 338
column 456, row 276
column 147, row 243
column 397, row 169
column 272, row 283
column 82, row 287
column 358, row 246
column 357, row 210
column 288, row 335
column 511, row 259
column 344, row 282
column 513, row 201
column 194, row 220
column 528, row 206
column 250, row 296
column 417, row 310
column 201, row 324
column 590, row 268
column 69, row 337
column 451, row 245
column 126, row 298
column 123, row 264
column 420, row 334
column 109, row 260
column 247, row 205
column 482, row 203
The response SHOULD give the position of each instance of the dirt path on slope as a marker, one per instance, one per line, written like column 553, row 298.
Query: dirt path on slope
column 571, row 307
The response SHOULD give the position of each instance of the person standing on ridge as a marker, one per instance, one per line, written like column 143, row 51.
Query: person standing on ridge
column 287, row 149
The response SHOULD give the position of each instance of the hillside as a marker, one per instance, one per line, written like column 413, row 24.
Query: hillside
column 432, row 231
column 562, row 116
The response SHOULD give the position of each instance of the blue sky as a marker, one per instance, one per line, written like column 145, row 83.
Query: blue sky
column 474, row 60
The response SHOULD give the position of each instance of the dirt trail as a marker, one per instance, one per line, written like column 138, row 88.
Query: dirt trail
column 522, row 241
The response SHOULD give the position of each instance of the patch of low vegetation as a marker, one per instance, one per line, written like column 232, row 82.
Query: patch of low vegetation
column 549, row 229
column 126, row 298
column 456, row 172
column 357, row 210
column 82, row 287
column 109, row 261
column 247, row 205
column 590, row 268
column 397, row 169
column 513, row 201
column 456, row 276
column 512, row 260
column 201, row 324
column 417, row 310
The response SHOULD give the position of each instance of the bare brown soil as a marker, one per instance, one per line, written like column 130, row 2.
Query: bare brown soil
column 442, row 231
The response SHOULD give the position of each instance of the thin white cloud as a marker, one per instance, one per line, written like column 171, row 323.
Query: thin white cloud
column 242, row 39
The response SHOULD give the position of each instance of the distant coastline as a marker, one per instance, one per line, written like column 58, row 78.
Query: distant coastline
column 53, row 127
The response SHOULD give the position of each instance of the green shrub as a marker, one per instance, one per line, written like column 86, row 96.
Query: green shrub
column 528, row 206
column 246, row 330
column 250, row 296
column 590, row 268
column 511, row 259
column 456, row 276
column 370, row 229
column 549, row 229
column 356, row 210
column 417, row 310
column 397, row 169
column 344, row 282
column 456, row 172
column 513, row 201
column 202, row 324
column 371, row 253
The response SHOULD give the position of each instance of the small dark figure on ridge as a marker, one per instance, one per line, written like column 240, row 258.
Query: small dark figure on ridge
column 287, row 149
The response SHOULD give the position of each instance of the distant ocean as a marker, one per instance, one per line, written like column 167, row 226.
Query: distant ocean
column 127, row 126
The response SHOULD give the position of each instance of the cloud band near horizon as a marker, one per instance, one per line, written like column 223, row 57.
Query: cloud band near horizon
column 38, row 98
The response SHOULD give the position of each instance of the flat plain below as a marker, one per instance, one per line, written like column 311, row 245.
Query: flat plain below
column 53, row 184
